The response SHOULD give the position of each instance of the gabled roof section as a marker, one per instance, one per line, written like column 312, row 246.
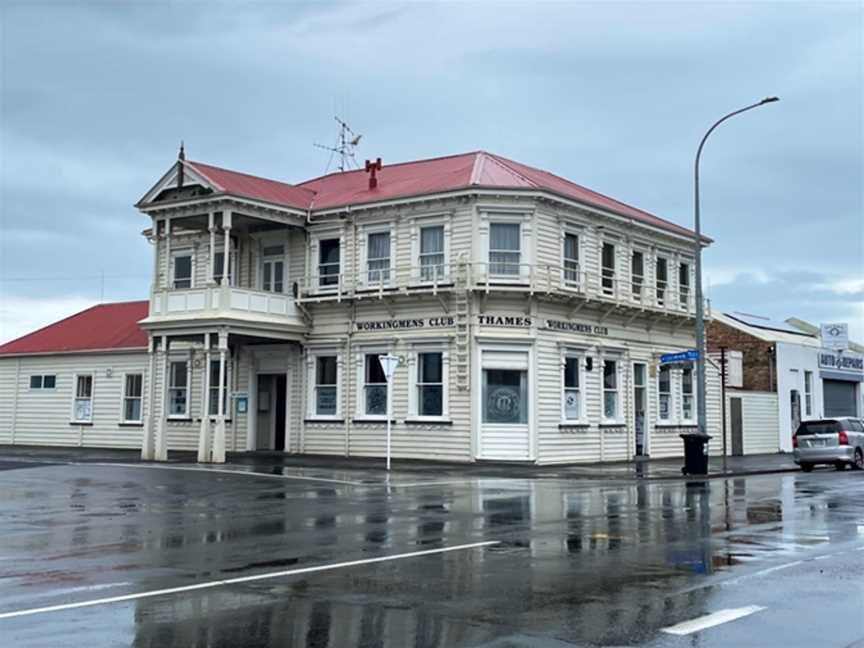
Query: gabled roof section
column 249, row 186
column 106, row 327
column 221, row 181
column 765, row 329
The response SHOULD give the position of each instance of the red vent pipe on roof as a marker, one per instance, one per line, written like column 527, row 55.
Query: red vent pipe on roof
column 371, row 169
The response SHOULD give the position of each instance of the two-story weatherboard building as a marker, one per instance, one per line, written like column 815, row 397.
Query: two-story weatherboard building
column 530, row 314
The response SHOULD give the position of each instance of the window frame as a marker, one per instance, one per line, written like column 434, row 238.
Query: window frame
column 684, row 290
column 567, row 270
column 443, row 273
column 660, row 394
column 414, row 382
column 312, row 356
column 42, row 386
column 213, row 391
column 667, row 284
column 638, row 296
column 579, row 357
column 692, row 395
column 75, row 398
column 497, row 220
column 182, row 253
column 808, row 393
column 385, row 274
column 318, row 239
column 363, row 353
column 124, row 397
column 363, row 276
column 618, row 418
column 264, row 259
column 611, row 291
column 169, row 387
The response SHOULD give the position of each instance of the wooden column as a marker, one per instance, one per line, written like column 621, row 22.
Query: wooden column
column 218, row 454
column 226, row 264
column 160, row 452
column 148, row 445
column 204, row 444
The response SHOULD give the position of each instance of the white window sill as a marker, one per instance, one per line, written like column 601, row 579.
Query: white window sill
column 431, row 420
column 612, row 423
column 325, row 417
column 574, row 422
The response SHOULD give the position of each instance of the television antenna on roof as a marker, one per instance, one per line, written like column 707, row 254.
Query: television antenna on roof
column 347, row 141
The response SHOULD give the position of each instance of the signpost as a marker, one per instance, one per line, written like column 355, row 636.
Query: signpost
column 835, row 336
column 388, row 365
column 685, row 356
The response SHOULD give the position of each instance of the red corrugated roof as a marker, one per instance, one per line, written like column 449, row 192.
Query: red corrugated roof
column 102, row 327
column 421, row 177
column 243, row 184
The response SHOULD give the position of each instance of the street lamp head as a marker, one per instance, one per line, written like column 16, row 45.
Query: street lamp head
column 769, row 100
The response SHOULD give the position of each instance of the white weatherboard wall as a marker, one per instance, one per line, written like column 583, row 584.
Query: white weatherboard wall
column 42, row 416
column 760, row 427
column 792, row 361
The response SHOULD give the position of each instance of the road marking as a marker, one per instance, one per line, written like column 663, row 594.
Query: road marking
column 710, row 620
column 241, row 579
column 246, row 473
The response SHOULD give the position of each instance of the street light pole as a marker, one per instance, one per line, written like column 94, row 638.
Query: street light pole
column 700, row 310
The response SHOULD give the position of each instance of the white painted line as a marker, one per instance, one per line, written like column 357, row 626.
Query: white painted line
column 240, row 579
column 710, row 620
column 242, row 473
column 771, row 570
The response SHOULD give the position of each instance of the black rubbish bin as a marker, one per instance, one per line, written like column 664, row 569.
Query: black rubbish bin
column 695, row 453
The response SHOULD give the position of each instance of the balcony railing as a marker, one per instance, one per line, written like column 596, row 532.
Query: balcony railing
column 224, row 301
column 498, row 276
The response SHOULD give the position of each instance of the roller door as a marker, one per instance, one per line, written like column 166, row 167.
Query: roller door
column 839, row 397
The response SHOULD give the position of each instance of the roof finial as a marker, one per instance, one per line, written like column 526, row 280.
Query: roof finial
column 371, row 168
column 182, row 154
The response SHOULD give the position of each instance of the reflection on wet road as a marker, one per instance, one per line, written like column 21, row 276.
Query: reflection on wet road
column 575, row 562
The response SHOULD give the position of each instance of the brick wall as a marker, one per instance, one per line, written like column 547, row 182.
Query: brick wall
column 757, row 355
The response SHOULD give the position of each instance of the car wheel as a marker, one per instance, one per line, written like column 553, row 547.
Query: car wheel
column 859, row 460
column 840, row 465
column 807, row 467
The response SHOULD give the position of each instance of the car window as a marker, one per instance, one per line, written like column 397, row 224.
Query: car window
column 857, row 426
column 818, row 427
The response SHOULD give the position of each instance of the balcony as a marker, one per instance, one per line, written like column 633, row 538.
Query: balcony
column 181, row 305
column 557, row 281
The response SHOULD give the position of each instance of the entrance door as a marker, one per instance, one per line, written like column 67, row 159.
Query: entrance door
column 640, row 414
column 505, row 407
column 737, row 426
column 795, row 409
column 272, row 412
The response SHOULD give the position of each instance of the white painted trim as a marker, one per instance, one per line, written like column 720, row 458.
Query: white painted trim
column 75, row 377
column 122, row 416
column 312, row 356
column 413, row 375
column 579, row 355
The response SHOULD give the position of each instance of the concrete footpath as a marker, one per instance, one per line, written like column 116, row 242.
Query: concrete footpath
column 647, row 469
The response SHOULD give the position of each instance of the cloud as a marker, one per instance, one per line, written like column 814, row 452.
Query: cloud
column 22, row 315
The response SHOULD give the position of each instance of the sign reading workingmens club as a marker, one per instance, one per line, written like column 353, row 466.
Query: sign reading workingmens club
column 402, row 324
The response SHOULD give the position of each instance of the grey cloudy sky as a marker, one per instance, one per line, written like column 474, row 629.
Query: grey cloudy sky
column 94, row 98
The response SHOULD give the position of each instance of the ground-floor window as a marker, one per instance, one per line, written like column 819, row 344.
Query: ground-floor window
column 611, row 407
column 82, row 408
column 133, row 385
column 43, row 382
column 664, row 393
column 214, row 388
column 326, row 385
column 572, row 389
column 505, row 396
column 430, row 383
column 374, row 386
column 178, row 388
column 687, row 411
column 808, row 393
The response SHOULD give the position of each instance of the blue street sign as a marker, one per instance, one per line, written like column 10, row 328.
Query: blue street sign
column 684, row 356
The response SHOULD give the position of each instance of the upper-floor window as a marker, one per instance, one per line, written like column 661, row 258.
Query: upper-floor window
column 43, row 382
column 133, row 385
column 637, row 274
column 378, row 257
column 273, row 268
column 178, row 387
column 687, row 394
column 505, row 248
column 608, row 269
column 808, row 393
column 181, row 269
column 684, row 284
column 328, row 262
column 571, row 258
column 374, row 386
column 662, row 280
column 572, row 389
column 432, row 253
column 82, row 407
column 664, row 391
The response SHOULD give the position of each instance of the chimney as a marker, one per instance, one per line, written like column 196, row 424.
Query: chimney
column 371, row 169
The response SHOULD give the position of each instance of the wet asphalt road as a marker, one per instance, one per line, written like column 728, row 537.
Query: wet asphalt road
column 576, row 562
